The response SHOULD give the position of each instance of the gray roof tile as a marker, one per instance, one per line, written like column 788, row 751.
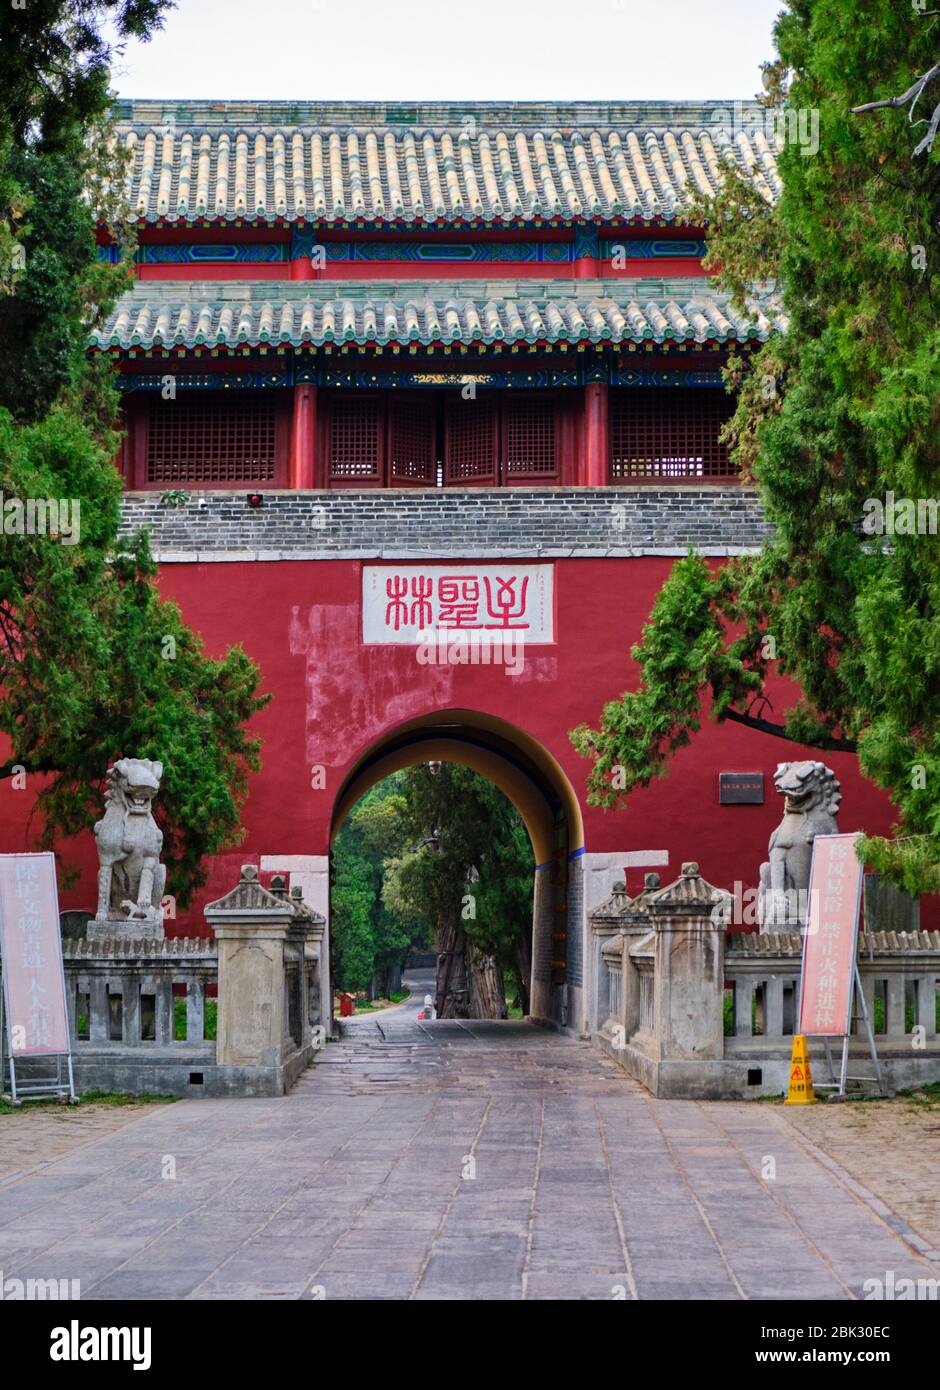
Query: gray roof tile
column 347, row 162
column 229, row 313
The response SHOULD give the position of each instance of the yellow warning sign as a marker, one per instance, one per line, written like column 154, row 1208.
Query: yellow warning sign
column 801, row 1077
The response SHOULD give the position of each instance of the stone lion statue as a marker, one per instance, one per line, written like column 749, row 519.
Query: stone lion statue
column 131, row 878
column 811, row 802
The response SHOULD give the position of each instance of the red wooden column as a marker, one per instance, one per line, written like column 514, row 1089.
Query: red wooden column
column 303, row 436
column 596, row 435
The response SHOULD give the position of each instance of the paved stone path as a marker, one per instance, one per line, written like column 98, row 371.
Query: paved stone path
column 452, row 1160
column 39, row 1133
column 894, row 1149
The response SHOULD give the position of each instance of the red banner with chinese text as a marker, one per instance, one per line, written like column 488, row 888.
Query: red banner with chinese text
column 33, row 979
column 835, row 889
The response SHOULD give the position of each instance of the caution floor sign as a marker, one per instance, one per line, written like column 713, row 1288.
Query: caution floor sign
column 801, row 1076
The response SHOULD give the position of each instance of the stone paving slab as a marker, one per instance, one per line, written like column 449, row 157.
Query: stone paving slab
column 483, row 1161
column 892, row 1150
column 38, row 1132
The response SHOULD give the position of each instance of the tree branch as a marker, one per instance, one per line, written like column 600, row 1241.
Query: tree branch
column 829, row 744
column 912, row 93
column 911, row 98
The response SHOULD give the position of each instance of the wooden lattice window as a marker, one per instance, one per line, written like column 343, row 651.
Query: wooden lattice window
column 470, row 442
column 356, row 439
column 529, row 434
column 412, row 440
column 663, row 434
column 212, row 439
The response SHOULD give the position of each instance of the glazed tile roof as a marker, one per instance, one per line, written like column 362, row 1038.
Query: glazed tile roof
column 337, row 163
column 231, row 314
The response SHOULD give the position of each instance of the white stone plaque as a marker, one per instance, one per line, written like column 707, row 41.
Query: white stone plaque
column 401, row 602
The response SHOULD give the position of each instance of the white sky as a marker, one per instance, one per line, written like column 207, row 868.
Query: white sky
column 484, row 50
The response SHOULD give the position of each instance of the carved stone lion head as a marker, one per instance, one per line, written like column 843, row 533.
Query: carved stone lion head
column 134, row 782
column 808, row 786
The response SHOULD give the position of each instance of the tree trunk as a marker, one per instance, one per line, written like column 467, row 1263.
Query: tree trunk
column 487, row 991
column 452, row 996
column 469, row 984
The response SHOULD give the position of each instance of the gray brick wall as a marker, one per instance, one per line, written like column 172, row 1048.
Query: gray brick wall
column 716, row 520
column 575, row 921
column 543, row 925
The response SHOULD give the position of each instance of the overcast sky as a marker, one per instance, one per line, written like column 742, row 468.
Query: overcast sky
column 454, row 49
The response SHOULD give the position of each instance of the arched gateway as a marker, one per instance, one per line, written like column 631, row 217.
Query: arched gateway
column 422, row 402
column 537, row 786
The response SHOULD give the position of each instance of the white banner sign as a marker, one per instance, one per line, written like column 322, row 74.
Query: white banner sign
column 33, row 978
column 402, row 602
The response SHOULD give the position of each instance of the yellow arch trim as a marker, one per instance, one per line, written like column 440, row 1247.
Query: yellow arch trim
column 490, row 761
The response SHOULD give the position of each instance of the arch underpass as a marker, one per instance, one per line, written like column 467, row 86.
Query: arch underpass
column 536, row 785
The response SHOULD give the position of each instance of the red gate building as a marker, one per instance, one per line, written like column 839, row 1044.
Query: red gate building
column 387, row 355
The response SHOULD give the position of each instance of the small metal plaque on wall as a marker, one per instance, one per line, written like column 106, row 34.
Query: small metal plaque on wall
column 741, row 788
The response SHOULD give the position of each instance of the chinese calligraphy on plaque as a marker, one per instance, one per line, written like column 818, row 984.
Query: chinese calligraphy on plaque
column 402, row 602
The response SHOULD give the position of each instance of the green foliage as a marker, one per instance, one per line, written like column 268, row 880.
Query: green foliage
column 421, row 849
column 210, row 1024
column 59, row 173
column 62, row 286
column 93, row 664
column 353, row 899
column 843, row 408
column 683, row 649
column 470, row 844
column 368, row 934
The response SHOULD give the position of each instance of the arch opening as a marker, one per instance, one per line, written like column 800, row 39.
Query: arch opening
column 529, row 776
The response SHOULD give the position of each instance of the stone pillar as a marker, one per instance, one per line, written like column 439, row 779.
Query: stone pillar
column 251, row 926
column 318, row 1011
column 627, row 920
column 690, row 919
column 311, row 874
column 306, row 933
column 605, row 892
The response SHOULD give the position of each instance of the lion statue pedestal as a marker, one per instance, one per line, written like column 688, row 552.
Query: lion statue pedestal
column 131, row 878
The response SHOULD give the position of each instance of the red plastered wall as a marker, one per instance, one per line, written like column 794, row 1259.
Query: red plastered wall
column 333, row 697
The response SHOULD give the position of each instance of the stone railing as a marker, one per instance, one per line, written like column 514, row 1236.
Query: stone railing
column 693, row 1011
column 138, row 1009
column 137, row 1015
column 762, row 977
column 126, row 991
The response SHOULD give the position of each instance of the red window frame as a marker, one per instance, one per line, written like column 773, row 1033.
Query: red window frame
column 669, row 434
column 206, row 424
column 412, row 460
column 337, row 404
column 545, row 408
column 471, row 432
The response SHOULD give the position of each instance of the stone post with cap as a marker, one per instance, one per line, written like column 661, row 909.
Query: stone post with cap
column 690, row 918
column 251, row 927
